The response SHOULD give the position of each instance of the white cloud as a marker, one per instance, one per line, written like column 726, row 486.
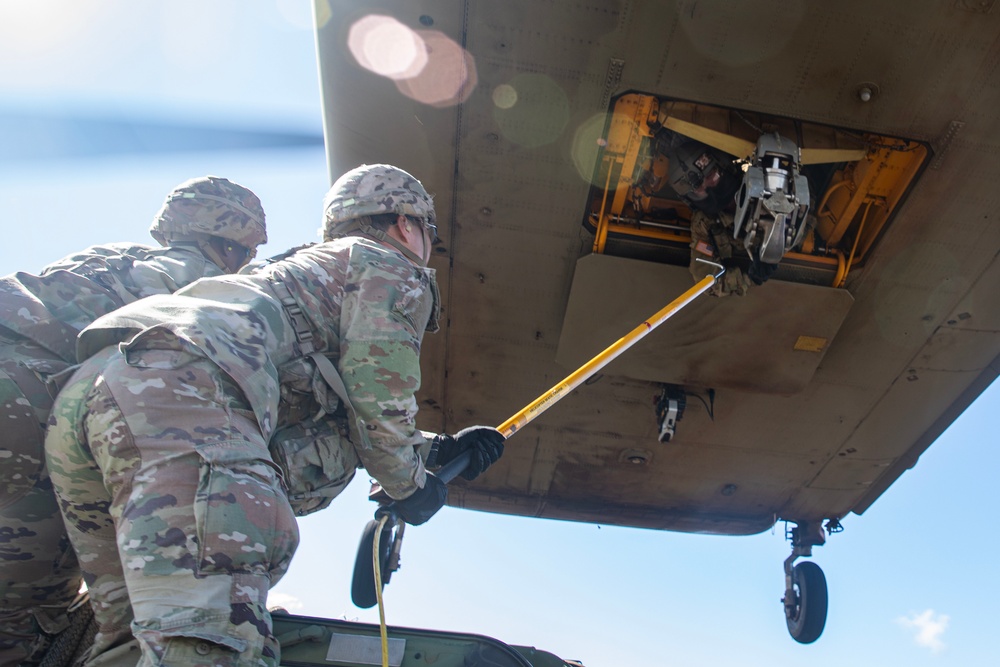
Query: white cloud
column 927, row 628
column 284, row 600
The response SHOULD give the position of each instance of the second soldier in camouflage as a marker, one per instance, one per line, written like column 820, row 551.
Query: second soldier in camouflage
column 160, row 449
column 207, row 226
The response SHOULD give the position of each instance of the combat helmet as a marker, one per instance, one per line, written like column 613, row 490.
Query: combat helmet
column 702, row 176
column 370, row 190
column 210, row 206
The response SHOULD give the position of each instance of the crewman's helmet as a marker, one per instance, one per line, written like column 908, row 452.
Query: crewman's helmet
column 211, row 206
column 694, row 169
column 370, row 190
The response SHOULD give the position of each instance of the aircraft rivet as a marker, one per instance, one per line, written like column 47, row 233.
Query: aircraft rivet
column 867, row 91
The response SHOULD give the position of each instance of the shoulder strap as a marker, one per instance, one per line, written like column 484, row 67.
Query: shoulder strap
column 335, row 382
column 304, row 336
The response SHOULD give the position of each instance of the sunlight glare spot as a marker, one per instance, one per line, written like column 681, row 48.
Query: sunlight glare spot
column 504, row 96
column 383, row 45
column 40, row 26
column 540, row 114
column 448, row 78
column 588, row 140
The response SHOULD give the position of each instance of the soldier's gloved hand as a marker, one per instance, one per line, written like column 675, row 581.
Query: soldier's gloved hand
column 733, row 281
column 424, row 503
column 485, row 442
column 761, row 271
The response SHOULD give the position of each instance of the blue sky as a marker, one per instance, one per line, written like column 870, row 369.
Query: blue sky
column 913, row 580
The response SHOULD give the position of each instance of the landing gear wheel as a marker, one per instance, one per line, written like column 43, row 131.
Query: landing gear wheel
column 363, row 591
column 805, row 613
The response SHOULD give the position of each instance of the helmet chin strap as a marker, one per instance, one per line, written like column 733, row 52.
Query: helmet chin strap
column 361, row 225
column 213, row 255
column 385, row 238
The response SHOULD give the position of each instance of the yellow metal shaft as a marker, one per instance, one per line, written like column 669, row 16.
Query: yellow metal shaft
column 580, row 375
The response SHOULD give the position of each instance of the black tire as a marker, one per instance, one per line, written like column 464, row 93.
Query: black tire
column 807, row 617
column 363, row 592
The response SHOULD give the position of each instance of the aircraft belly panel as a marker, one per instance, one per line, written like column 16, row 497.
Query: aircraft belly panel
column 912, row 402
column 690, row 519
column 510, row 179
column 769, row 341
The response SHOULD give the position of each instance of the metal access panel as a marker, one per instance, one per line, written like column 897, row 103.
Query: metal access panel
column 769, row 341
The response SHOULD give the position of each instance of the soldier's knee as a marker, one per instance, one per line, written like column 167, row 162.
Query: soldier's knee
column 212, row 620
column 205, row 646
column 201, row 651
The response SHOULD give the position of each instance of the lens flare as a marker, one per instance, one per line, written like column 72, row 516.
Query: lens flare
column 383, row 45
column 504, row 96
column 448, row 77
column 426, row 65
column 538, row 113
column 588, row 140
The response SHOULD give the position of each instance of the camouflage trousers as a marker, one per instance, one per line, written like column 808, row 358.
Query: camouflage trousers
column 173, row 506
column 711, row 239
column 39, row 575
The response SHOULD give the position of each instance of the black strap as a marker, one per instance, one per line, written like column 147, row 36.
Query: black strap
column 304, row 336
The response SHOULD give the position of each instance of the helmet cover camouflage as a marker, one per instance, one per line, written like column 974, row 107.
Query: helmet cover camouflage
column 370, row 190
column 211, row 206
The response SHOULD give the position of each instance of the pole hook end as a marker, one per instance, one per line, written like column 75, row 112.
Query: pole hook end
column 720, row 269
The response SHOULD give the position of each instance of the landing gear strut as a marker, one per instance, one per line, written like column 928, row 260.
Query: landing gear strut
column 805, row 598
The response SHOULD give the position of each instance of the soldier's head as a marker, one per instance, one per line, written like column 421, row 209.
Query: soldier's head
column 704, row 177
column 224, row 219
column 383, row 202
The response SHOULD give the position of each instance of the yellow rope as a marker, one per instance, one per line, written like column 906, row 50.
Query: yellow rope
column 383, row 631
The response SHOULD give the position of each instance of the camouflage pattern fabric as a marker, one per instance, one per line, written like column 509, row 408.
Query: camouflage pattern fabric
column 377, row 189
column 172, row 502
column 317, row 460
column 54, row 306
column 40, row 317
column 368, row 308
column 36, row 561
column 711, row 239
column 201, row 382
column 211, row 206
column 374, row 189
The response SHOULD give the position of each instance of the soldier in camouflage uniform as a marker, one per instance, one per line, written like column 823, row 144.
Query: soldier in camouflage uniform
column 158, row 447
column 707, row 180
column 207, row 226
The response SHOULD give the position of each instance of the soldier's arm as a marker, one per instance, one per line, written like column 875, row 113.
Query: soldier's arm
column 380, row 366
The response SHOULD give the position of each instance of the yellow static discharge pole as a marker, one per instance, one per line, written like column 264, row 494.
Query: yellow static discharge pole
column 529, row 412
column 583, row 373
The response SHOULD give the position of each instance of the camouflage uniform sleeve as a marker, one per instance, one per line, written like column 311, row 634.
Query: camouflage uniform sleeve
column 132, row 272
column 80, row 260
column 166, row 271
column 380, row 363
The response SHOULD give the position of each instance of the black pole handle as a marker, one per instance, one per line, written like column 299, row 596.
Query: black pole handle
column 455, row 467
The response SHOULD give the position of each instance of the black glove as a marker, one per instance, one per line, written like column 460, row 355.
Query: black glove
column 424, row 503
column 760, row 271
column 485, row 442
